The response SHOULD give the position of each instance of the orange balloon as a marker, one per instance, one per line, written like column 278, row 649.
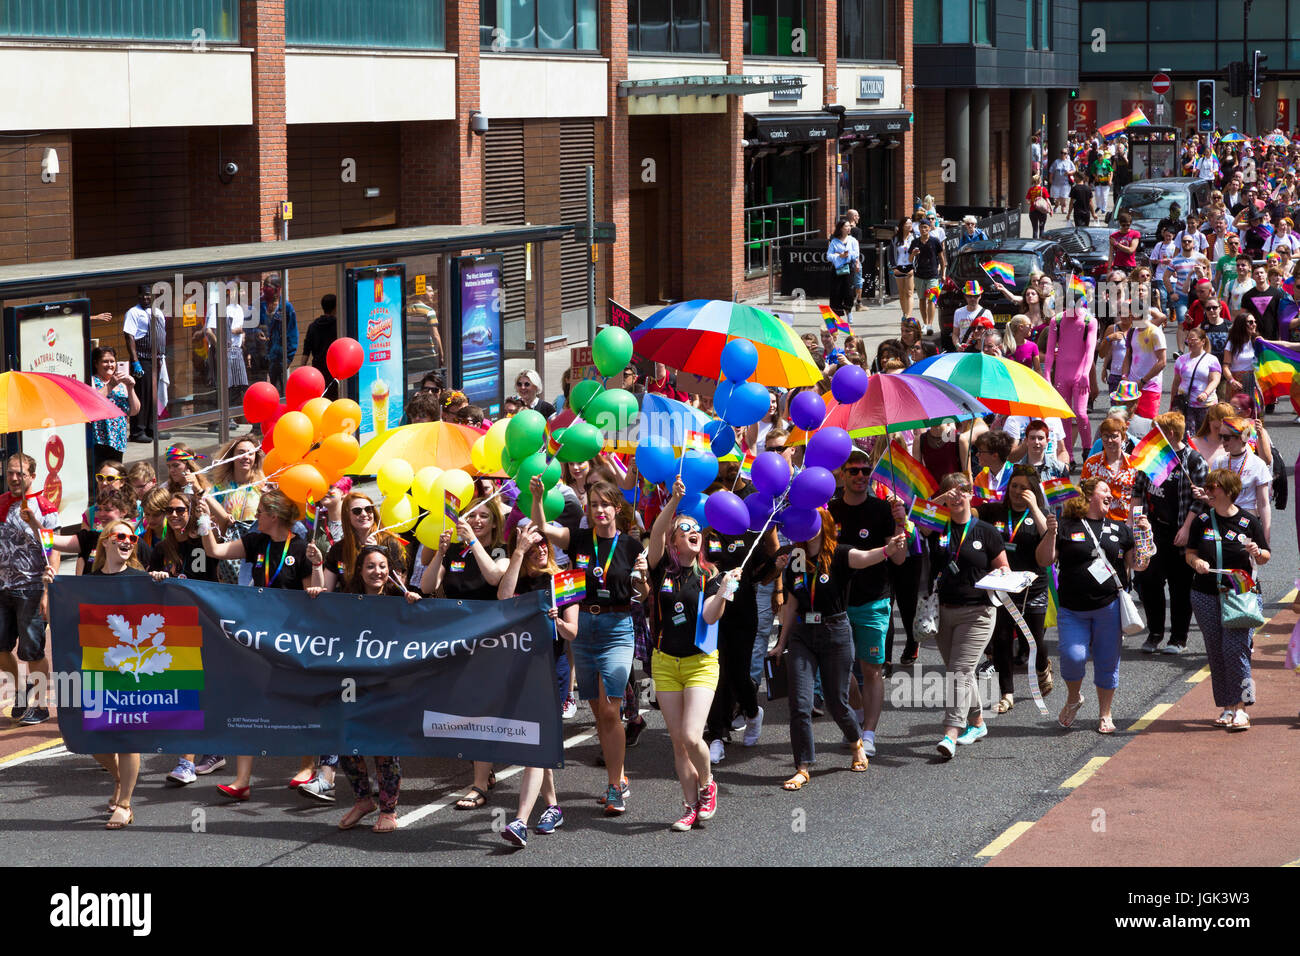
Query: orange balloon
column 302, row 480
column 339, row 452
column 343, row 415
column 293, row 435
column 273, row 462
column 315, row 410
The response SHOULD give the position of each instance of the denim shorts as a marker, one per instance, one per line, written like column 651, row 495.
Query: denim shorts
column 21, row 624
column 603, row 649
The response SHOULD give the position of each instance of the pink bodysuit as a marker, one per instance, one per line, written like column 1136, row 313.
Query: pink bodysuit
column 1071, row 353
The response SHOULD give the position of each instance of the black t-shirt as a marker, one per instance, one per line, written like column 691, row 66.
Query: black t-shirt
column 526, row 584
column 589, row 553
column 677, row 602
column 462, row 578
column 1233, row 533
column 288, row 565
column 87, row 538
column 863, row 527
column 815, row 590
column 320, row 336
column 1081, row 193
column 1265, row 317
column 725, row 552
column 1077, row 588
column 1020, row 539
column 123, row 571
column 927, row 260
column 334, row 562
column 194, row 561
column 975, row 548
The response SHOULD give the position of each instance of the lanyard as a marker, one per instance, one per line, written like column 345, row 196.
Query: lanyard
column 811, row 588
column 955, row 553
column 1011, row 531
column 603, row 569
column 283, row 554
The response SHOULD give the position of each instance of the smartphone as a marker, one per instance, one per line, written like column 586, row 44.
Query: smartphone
column 122, row 369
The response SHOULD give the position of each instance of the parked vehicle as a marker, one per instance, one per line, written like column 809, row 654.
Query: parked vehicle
column 1148, row 202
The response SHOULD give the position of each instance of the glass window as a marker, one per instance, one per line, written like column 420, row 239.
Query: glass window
column 1030, row 21
column 956, row 21
column 1118, row 58
column 778, row 28
column 1044, row 24
column 404, row 24
column 671, row 26
column 1180, row 19
column 1186, row 56
column 122, row 20
column 656, row 25
column 1294, row 57
column 1116, row 18
column 983, row 30
column 925, row 21
column 539, row 24
column 866, row 30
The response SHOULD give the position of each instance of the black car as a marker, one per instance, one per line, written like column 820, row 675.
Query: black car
column 1089, row 246
column 1023, row 255
column 1148, row 202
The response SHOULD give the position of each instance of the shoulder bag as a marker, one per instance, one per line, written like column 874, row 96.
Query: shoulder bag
column 1130, row 618
column 1240, row 611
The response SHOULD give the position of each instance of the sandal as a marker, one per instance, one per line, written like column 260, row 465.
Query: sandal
column 1045, row 682
column 117, row 795
column 387, row 823
column 1068, row 712
column 860, row 761
column 1225, row 718
column 800, row 779
column 1106, row 725
column 115, row 823
column 477, row 797
column 360, row 810
column 1240, row 721
column 1004, row 704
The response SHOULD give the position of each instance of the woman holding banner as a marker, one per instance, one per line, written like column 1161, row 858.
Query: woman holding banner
column 690, row 597
column 336, row 567
column 609, row 551
column 532, row 568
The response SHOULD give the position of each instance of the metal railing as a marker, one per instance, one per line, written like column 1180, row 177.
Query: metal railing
column 769, row 227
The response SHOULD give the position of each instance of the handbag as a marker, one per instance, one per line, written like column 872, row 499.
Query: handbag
column 1042, row 206
column 1240, row 611
column 926, row 623
column 1130, row 618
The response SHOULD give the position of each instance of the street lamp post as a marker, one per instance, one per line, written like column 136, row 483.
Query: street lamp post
column 1245, row 62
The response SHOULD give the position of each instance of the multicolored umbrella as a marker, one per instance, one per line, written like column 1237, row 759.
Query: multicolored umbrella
column 441, row 444
column 1006, row 387
column 1276, row 139
column 31, row 400
column 690, row 337
column 1232, row 138
column 895, row 403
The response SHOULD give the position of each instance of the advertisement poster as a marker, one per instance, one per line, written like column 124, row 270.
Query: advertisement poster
column 1281, row 119
column 1185, row 116
column 376, row 321
column 478, row 367
column 51, row 338
column 1083, row 115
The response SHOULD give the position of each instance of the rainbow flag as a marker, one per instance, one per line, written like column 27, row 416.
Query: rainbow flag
column 569, row 586
column 1154, row 457
column 932, row 294
column 747, row 465
column 1053, row 600
column 989, row 487
column 1058, row 491
column 310, row 509
column 1238, row 581
column 47, row 542
column 1278, row 364
column 929, row 515
column 696, row 441
column 904, row 475
column 1000, row 271
column 1115, row 127
column 1077, row 286
column 449, row 509
column 1287, row 310
column 834, row 320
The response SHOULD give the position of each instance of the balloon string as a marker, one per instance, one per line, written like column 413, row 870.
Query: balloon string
column 218, row 464
column 390, row 527
column 251, row 484
column 776, row 506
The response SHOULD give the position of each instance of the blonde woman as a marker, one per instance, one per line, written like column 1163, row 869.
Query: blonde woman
column 1017, row 344
column 333, row 569
column 237, row 490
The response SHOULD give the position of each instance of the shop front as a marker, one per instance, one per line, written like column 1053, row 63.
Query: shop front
column 785, row 154
column 869, row 143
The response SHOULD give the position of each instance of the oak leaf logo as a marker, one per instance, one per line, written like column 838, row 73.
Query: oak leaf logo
column 141, row 652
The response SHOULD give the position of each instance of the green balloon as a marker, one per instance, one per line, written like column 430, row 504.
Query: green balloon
column 508, row 463
column 582, row 393
column 581, row 442
column 531, row 466
column 525, row 503
column 613, row 413
column 525, row 433
column 612, row 350
column 552, row 504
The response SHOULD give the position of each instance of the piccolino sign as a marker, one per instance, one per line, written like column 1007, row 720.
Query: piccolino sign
column 871, row 87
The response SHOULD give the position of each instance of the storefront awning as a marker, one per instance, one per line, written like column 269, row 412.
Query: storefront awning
column 877, row 122
column 699, row 94
column 775, row 129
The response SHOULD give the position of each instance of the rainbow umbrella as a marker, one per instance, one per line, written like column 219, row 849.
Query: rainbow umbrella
column 690, row 337
column 895, row 403
column 31, row 400
column 1276, row 139
column 1232, row 138
column 442, row 444
column 1006, row 387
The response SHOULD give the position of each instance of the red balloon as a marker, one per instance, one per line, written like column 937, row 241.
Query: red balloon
column 268, row 426
column 260, row 401
column 305, row 383
column 344, row 358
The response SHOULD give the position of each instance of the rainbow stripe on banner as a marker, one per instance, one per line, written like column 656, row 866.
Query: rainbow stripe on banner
column 904, row 475
column 929, row 515
column 1278, row 364
column 1154, row 457
column 569, row 586
column 150, row 661
column 1058, row 491
column 834, row 320
column 1000, row 271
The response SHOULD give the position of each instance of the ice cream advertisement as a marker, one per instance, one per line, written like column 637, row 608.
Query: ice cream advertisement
column 377, row 307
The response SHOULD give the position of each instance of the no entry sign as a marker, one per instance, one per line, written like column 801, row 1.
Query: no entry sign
column 1160, row 84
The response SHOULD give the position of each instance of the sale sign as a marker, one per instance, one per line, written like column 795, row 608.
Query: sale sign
column 1282, row 119
column 1184, row 116
column 1083, row 116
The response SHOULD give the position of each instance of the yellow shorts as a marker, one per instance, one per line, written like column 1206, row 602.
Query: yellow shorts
column 677, row 673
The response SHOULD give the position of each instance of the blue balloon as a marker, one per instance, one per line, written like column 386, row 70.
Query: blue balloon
column 695, row 506
column 770, row 473
column 722, row 396
column 739, row 360
column 721, row 437
column 828, row 448
column 656, row 460
column 699, row 470
column 800, row 524
column 812, row 488
column 807, row 410
column 849, row 384
column 727, row 513
column 747, row 403
column 760, row 508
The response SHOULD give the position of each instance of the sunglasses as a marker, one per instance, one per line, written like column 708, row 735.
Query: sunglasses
column 179, row 510
column 687, row 526
column 523, row 383
column 109, row 479
column 362, row 510
column 122, row 537
column 856, row 470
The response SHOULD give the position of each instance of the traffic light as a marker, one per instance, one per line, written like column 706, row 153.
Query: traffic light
column 1205, row 106
column 1236, row 78
column 1074, row 93
column 1257, row 74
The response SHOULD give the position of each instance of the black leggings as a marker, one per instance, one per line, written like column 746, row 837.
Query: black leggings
column 736, row 634
column 842, row 294
column 905, row 579
column 1005, row 634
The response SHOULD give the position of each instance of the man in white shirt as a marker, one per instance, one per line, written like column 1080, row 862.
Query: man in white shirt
column 1059, row 174
column 965, row 316
column 143, row 340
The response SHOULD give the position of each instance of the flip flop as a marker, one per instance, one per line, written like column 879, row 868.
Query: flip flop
column 387, row 823
column 356, row 815
column 1069, row 712
column 1105, row 726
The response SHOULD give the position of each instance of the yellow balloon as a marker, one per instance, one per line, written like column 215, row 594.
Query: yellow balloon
column 459, row 485
column 494, row 441
column 398, row 513
column 395, row 477
column 422, row 488
column 478, row 458
column 430, row 530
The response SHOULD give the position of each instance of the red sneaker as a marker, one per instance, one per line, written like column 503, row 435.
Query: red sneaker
column 688, row 819
column 708, row 802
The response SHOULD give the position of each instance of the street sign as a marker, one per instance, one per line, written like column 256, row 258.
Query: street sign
column 604, row 233
column 1160, row 84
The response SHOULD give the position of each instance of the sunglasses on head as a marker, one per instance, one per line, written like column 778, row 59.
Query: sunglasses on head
column 122, row 537
column 362, row 509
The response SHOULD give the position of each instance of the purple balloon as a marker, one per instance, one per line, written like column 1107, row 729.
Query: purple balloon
column 828, row 448
column 727, row 513
column 849, row 384
column 800, row 524
column 807, row 410
column 770, row 473
column 812, row 488
column 760, row 507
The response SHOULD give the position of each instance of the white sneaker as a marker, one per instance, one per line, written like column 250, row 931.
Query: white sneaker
column 753, row 728
column 869, row 744
column 570, row 708
column 716, row 752
column 738, row 721
column 182, row 775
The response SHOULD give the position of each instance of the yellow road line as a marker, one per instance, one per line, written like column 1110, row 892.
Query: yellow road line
column 1010, row 836
column 1088, row 770
column 48, row 745
column 1150, row 717
column 1289, row 596
column 1292, row 863
column 1200, row 675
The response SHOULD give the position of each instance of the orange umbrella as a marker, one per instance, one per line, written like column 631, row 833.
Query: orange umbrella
column 442, row 444
column 30, row 400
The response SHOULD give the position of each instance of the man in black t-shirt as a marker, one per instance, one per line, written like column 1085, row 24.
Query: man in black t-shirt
column 929, row 264
column 320, row 336
column 1081, row 202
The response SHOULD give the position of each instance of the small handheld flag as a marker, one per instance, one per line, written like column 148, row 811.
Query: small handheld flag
column 1078, row 287
column 988, row 486
column 1058, row 491
column 696, row 441
column 1237, row 581
column 449, row 509
column 747, row 465
column 929, row 515
column 569, row 586
column 1000, row 271
column 904, row 475
column 1277, row 366
column 47, row 542
column 1154, row 457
